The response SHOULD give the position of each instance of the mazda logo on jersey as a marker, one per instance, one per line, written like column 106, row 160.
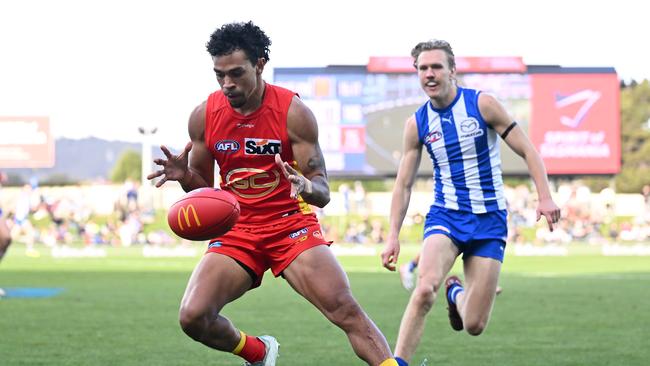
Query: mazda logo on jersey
column 262, row 146
column 469, row 125
column 227, row 146
column 470, row 128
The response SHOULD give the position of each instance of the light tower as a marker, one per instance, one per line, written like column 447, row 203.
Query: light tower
column 147, row 136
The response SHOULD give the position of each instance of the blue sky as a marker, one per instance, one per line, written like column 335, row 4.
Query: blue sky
column 104, row 68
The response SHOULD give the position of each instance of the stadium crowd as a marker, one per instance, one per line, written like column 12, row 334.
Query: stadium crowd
column 39, row 219
column 587, row 217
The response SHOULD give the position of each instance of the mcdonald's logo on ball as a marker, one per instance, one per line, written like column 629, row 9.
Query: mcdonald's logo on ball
column 203, row 214
column 184, row 212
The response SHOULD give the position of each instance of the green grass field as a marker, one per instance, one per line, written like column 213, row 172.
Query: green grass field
column 583, row 309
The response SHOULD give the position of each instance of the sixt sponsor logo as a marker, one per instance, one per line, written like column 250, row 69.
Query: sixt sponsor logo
column 227, row 146
column 262, row 146
column 296, row 234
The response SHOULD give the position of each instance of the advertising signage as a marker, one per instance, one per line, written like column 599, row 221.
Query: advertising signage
column 575, row 122
column 571, row 115
column 26, row 142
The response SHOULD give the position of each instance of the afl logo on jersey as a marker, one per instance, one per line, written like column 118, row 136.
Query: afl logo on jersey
column 227, row 146
column 433, row 137
column 262, row 146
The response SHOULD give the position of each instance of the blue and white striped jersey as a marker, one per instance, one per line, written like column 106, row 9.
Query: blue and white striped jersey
column 465, row 155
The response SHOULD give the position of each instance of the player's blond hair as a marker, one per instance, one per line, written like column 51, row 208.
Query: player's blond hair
column 434, row 44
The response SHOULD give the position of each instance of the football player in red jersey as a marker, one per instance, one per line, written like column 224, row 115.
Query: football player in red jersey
column 5, row 235
column 265, row 142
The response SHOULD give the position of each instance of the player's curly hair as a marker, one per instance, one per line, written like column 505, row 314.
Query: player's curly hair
column 434, row 44
column 240, row 36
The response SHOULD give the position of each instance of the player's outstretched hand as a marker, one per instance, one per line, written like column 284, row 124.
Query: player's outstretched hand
column 548, row 209
column 390, row 254
column 299, row 183
column 174, row 167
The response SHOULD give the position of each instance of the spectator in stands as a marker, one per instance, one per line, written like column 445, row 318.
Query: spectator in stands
column 645, row 191
column 359, row 197
column 344, row 190
column 131, row 191
column 377, row 232
column 22, row 226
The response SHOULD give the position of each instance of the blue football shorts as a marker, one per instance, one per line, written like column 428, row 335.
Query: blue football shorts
column 482, row 235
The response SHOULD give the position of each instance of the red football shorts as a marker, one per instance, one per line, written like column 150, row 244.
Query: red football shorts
column 271, row 245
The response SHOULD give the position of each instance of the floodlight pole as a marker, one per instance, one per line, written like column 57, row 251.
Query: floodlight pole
column 147, row 136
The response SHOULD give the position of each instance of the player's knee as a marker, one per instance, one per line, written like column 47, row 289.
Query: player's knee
column 425, row 295
column 192, row 321
column 475, row 326
column 343, row 309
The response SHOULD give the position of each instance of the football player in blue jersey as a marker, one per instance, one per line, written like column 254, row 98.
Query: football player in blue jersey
column 459, row 128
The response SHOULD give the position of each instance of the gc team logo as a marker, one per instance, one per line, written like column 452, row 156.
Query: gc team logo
column 251, row 182
column 227, row 146
column 184, row 212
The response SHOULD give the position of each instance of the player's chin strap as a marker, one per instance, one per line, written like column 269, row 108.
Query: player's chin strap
column 507, row 131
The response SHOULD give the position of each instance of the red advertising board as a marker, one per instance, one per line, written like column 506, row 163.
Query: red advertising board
column 463, row 64
column 575, row 122
column 26, row 142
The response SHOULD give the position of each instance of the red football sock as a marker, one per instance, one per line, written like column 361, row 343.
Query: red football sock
column 252, row 349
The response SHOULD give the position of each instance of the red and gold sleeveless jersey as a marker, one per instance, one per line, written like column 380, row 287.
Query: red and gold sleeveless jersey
column 244, row 148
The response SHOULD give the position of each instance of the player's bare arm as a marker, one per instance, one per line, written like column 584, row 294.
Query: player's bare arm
column 194, row 166
column 406, row 173
column 309, row 180
column 496, row 116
